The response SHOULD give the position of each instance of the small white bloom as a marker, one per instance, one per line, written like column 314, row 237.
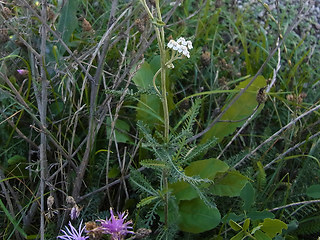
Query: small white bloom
column 174, row 3
column 170, row 65
column 182, row 41
column 170, row 43
column 189, row 44
column 176, row 46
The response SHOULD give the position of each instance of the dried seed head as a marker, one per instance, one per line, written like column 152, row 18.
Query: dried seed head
column 140, row 24
column 6, row 12
column 303, row 95
column 261, row 96
column 75, row 212
column 223, row 83
column 218, row 3
column 50, row 14
column 152, row 2
column 86, row 26
column 4, row 36
column 142, row 233
column 50, row 202
column 290, row 97
column 70, row 200
column 93, row 230
column 206, row 58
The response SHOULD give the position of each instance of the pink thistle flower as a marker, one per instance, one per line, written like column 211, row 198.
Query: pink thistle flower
column 23, row 72
column 116, row 225
column 73, row 234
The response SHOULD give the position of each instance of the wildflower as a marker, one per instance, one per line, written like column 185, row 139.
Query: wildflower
column 23, row 72
column 174, row 45
column 181, row 45
column 75, row 212
column 72, row 233
column 174, row 3
column 116, row 225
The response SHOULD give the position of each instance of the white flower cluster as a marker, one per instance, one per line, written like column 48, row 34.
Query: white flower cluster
column 174, row 3
column 181, row 45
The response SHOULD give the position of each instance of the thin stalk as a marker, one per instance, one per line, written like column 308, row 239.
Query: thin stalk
column 43, row 116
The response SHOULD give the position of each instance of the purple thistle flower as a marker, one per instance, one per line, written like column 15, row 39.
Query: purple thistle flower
column 75, row 212
column 72, row 233
column 116, row 225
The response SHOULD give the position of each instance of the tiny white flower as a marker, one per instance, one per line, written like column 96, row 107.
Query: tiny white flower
column 170, row 43
column 176, row 46
column 174, row 3
column 189, row 44
column 182, row 41
column 170, row 65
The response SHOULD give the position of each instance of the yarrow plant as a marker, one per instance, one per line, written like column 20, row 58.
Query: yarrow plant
column 73, row 234
column 116, row 225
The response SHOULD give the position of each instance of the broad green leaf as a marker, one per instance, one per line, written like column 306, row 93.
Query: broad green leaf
column 229, row 184
column 197, row 217
column 121, row 130
column 272, row 227
column 259, row 235
column 241, row 235
column 247, row 194
column 314, row 191
column 207, row 168
column 68, row 22
column 235, row 226
column 183, row 191
column 256, row 215
column 16, row 159
column 241, row 109
column 149, row 108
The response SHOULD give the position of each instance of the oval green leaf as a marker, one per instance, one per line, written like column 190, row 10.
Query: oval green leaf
column 197, row 217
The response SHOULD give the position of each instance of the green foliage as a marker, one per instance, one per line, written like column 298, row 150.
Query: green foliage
column 266, row 230
column 197, row 217
column 314, row 191
column 238, row 112
column 67, row 23
column 183, row 186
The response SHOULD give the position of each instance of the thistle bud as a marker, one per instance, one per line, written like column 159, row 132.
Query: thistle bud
column 142, row 233
column 261, row 96
column 206, row 58
column 50, row 14
column 70, row 200
column 290, row 97
column 6, row 12
column 86, row 26
column 140, row 24
column 4, row 36
column 50, row 202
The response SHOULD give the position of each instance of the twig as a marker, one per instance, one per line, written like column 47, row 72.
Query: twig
column 56, row 35
column 43, row 117
column 93, row 98
column 275, row 71
column 295, row 204
column 291, row 149
column 107, row 186
column 276, row 134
